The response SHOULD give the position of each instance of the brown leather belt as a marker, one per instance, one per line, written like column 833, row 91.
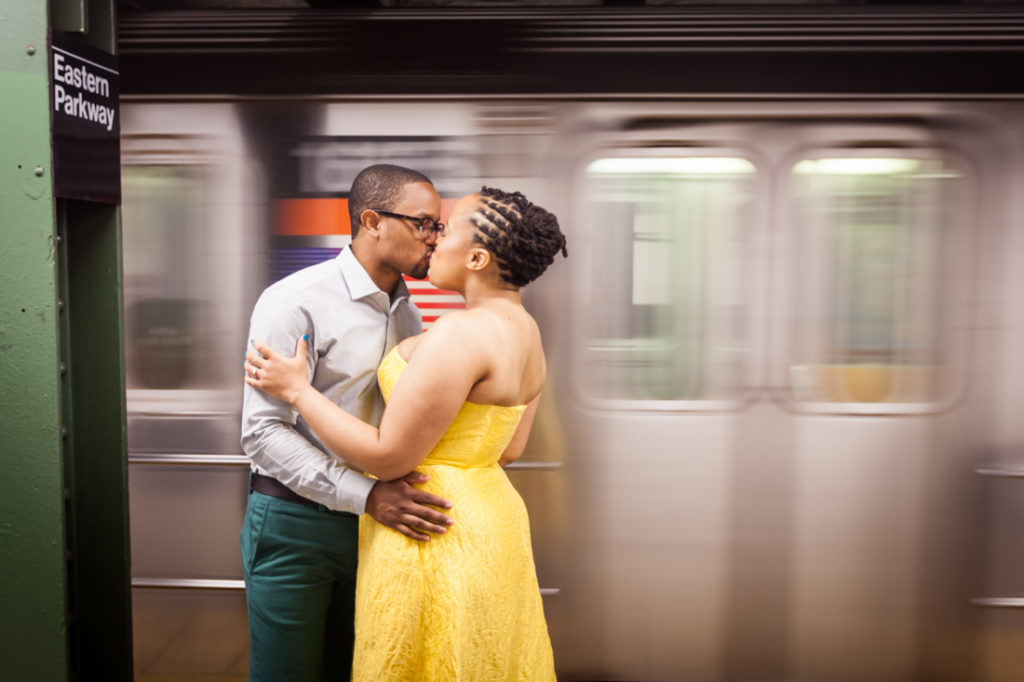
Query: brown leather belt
column 274, row 488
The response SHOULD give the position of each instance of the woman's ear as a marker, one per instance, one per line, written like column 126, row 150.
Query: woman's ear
column 479, row 259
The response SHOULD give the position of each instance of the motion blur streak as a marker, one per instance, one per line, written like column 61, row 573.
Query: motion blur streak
column 780, row 438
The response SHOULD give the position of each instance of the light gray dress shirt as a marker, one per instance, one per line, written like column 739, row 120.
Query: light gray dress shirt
column 351, row 324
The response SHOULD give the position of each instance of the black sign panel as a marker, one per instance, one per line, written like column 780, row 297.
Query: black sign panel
column 86, row 121
column 325, row 166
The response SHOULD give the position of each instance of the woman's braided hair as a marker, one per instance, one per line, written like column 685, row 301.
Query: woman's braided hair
column 523, row 237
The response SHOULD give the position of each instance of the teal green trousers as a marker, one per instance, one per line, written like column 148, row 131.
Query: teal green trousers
column 299, row 564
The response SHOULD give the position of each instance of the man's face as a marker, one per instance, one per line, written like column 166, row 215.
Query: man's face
column 404, row 247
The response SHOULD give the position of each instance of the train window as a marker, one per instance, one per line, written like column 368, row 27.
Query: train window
column 167, row 319
column 664, row 309
column 875, row 243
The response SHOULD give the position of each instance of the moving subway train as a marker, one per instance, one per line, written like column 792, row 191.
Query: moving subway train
column 780, row 439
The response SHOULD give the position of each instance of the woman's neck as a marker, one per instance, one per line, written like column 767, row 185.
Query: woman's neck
column 487, row 294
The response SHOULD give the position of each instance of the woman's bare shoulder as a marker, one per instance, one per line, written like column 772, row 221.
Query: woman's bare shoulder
column 454, row 323
column 457, row 329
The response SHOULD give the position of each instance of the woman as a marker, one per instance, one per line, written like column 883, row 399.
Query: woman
column 466, row 605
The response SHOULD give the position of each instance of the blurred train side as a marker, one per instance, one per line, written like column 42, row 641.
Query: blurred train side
column 779, row 439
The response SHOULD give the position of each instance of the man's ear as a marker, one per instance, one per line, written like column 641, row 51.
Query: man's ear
column 479, row 259
column 369, row 221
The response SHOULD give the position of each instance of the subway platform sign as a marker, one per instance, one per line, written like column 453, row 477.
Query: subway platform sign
column 86, row 121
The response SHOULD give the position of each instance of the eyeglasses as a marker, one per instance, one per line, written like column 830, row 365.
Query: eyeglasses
column 426, row 227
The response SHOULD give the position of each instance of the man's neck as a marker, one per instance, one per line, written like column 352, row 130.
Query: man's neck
column 384, row 277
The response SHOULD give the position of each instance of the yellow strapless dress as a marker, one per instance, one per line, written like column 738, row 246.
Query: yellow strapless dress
column 465, row 605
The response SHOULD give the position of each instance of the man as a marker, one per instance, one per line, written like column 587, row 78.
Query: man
column 299, row 540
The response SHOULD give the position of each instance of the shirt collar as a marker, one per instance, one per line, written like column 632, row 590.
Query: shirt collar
column 359, row 282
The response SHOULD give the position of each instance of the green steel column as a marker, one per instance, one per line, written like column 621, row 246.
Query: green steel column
column 65, row 607
column 90, row 286
column 32, row 561
column 99, row 578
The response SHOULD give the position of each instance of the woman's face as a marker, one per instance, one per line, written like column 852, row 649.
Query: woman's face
column 450, row 256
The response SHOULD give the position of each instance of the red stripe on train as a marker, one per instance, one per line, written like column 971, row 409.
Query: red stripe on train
column 449, row 306
column 432, row 292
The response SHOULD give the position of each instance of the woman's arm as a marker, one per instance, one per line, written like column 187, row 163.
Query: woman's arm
column 447, row 363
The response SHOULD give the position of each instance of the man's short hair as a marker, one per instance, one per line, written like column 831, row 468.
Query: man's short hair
column 379, row 187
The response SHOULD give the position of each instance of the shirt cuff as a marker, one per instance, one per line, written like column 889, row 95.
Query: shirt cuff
column 356, row 490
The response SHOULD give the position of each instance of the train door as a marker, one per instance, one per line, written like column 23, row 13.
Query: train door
column 768, row 361
column 877, row 246
column 185, row 218
column 665, row 307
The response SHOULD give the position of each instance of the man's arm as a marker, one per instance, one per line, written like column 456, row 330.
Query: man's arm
column 269, row 437
column 270, row 440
